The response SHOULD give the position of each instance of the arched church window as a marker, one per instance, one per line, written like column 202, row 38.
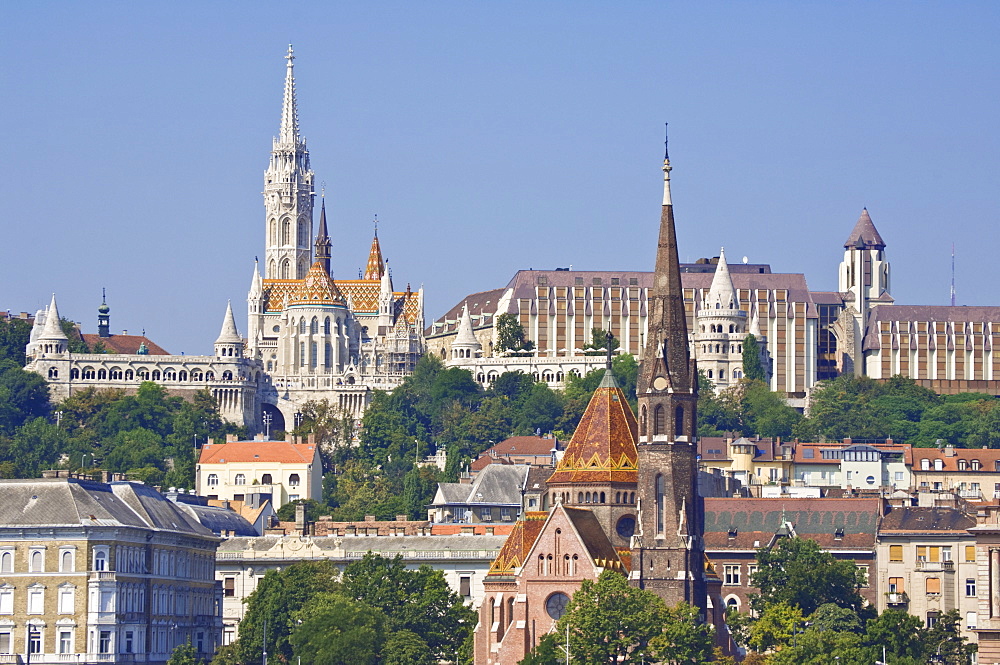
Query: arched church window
column 642, row 421
column 227, row 376
column 74, row 373
column 710, row 374
column 286, row 229
column 718, row 305
column 302, row 268
column 314, row 355
column 302, row 354
column 326, row 326
column 182, row 375
column 659, row 420
column 272, row 271
column 156, row 375
column 732, row 328
column 314, row 326
column 102, row 374
column 679, row 415
column 328, row 355
column 286, row 268
column 602, row 497
column 272, row 233
column 53, row 373
column 303, row 239
column 302, row 327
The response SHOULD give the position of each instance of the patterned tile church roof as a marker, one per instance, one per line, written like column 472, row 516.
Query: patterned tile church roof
column 518, row 543
column 317, row 289
column 376, row 265
column 361, row 294
column 603, row 446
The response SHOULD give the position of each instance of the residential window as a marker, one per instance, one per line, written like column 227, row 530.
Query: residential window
column 932, row 619
column 129, row 641
column 976, row 465
column 465, row 586
column 213, row 479
column 5, row 641
column 864, row 575
column 895, row 585
column 970, row 553
column 293, row 497
column 265, row 479
column 65, row 641
column 7, row 600
column 66, row 563
column 938, row 465
column 34, row 640
column 104, row 642
column 67, row 598
column 925, row 465
column 6, row 562
column 100, row 560
column 970, row 587
column 229, row 587
column 933, row 586
column 971, row 620
column 732, row 575
column 962, row 464
column 899, row 476
column 293, row 480
column 240, row 479
column 36, row 561
column 895, row 552
column 487, row 514
column 36, row 600
column 506, row 514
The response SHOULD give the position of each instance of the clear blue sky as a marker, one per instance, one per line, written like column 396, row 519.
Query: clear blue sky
column 489, row 137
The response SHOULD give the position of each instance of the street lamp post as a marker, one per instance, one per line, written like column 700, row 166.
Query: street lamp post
column 267, row 425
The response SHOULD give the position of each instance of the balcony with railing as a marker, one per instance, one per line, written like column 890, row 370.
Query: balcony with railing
column 896, row 598
column 936, row 566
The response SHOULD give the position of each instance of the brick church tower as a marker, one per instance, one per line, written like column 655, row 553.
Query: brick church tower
column 667, row 550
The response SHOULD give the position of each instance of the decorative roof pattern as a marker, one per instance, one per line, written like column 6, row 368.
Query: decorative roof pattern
column 318, row 289
column 603, row 447
column 362, row 294
column 376, row 265
column 518, row 543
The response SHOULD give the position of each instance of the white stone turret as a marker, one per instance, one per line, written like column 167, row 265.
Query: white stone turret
column 385, row 299
column 256, row 309
column 288, row 193
column 229, row 344
column 51, row 339
column 465, row 344
column 720, row 328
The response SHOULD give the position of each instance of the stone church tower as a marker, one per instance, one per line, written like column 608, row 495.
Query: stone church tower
column 288, row 193
column 667, row 550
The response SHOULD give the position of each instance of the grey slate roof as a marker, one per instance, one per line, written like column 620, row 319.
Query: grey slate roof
column 496, row 484
column 219, row 520
column 76, row 502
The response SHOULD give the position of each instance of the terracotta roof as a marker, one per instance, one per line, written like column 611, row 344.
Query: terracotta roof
column 937, row 520
column 603, row 446
column 987, row 458
column 522, row 537
column 865, row 234
column 746, row 524
column 124, row 344
column 282, row 452
column 812, row 453
column 522, row 445
column 451, row 529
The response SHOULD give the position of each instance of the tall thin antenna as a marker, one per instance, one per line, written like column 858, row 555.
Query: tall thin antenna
column 666, row 137
column 952, row 274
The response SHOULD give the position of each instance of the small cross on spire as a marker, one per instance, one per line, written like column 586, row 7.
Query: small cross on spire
column 608, row 343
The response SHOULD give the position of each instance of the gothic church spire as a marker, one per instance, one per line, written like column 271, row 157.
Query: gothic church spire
column 289, row 110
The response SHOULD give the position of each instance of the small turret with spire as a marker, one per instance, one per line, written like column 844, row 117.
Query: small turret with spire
column 229, row 343
column 52, row 340
column 466, row 345
column 323, row 243
column 104, row 316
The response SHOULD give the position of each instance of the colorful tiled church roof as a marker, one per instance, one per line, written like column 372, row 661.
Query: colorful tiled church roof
column 603, row 446
column 375, row 266
column 363, row 295
column 317, row 289
column 518, row 543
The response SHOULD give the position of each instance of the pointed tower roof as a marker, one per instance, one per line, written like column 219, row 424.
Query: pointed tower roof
column 376, row 265
column 466, row 335
column 256, row 283
column 289, row 109
column 603, row 447
column 318, row 289
column 722, row 291
column 52, row 329
column 321, row 234
column 229, row 334
column 864, row 235
column 386, row 288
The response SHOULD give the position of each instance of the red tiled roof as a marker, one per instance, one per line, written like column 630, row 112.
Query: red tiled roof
column 258, row 451
column 603, row 447
column 126, row 344
column 987, row 458
column 502, row 529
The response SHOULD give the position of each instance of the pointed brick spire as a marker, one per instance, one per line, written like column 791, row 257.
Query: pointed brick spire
column 864, row 235
column 289, row 110
column 229, row 334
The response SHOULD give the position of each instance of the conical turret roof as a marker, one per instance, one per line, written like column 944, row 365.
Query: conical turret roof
column 865, row 235
column 466, row 335
column 229, row 334
column 603, row 447
column 722, row 294
column 52, row 329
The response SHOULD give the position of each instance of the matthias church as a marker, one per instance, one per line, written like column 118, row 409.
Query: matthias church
column 309, row 337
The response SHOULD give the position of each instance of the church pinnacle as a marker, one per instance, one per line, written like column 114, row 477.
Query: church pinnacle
column 289, row 109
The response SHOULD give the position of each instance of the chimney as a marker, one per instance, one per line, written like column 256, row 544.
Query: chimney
column 230, row 438
column 300, row 518
column 949, row 450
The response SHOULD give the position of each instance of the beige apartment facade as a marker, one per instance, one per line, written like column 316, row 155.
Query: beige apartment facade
column 281, row 471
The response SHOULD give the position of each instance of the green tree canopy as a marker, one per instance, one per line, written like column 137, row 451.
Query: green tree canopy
column 598, row 345
column 24, row 396
column 184, row 654
column 796, row 571
column 753, row 369
column 510, row 334
column 331, row 629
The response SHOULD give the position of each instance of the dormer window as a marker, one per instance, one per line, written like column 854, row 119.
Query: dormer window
column 976, row 465
column 962, row 465
column 925, row 465
column 938, row 465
